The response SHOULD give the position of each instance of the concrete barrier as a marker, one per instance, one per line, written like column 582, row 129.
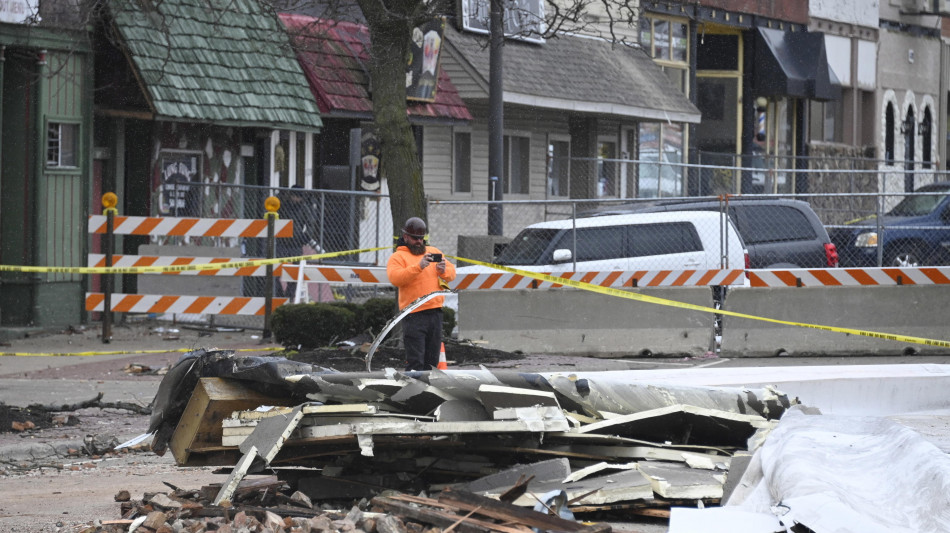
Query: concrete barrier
column 586, row 323
column 917, row 311
column 571, row 321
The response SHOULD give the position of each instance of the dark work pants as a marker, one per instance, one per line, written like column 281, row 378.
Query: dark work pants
column 422, row 337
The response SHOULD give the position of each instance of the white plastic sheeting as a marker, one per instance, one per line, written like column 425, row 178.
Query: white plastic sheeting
column 842, row 474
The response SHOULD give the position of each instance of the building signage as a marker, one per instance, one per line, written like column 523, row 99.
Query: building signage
column 524, row 19
column 178, row 190
column 422, row 77
column 19, row 11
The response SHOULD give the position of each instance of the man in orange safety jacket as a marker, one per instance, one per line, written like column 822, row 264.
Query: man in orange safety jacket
column 416, row 270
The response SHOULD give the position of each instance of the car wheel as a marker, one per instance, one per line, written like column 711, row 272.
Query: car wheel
column 907, row 256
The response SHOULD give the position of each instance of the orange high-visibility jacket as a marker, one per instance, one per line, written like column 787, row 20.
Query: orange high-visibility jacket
column 404, row 272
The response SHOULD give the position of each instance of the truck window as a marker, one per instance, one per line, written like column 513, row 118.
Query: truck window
column 759, row 223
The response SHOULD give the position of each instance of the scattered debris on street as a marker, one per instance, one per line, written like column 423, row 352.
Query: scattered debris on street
column 442, row 448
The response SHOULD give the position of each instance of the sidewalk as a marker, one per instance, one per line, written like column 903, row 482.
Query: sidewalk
column 68, row 377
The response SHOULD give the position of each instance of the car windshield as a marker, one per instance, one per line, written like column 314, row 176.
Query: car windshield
column 912, row 206
column 527, row 247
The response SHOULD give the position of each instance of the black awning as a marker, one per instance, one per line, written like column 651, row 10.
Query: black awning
column 793, row 64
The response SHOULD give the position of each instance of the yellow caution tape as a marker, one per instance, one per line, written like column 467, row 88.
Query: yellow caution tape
column 131, row 352
column 672, row 303
column 181, row 268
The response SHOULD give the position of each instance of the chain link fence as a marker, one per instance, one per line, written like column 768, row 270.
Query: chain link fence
column 788, row 211
column 866, row 213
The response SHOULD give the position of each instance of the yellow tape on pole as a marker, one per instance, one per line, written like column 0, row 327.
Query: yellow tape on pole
column 182, row 268
column 672, row 303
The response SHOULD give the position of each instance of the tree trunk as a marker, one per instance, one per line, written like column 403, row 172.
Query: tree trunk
column 399, row 162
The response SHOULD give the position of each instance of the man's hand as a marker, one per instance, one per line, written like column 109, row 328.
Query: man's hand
column 440, row 267
column 424, row 262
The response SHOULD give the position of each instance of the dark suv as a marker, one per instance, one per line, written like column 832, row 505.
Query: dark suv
column 916, row 232
column 778, row 233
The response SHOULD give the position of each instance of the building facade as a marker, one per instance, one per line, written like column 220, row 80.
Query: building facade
column 45, row 163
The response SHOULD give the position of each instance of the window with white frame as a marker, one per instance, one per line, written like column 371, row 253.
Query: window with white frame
column 291, row 159
column 462, row 161
column 62, row 145
column 517, row 164
column 559, row 166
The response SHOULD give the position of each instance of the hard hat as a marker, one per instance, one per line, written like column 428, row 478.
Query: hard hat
column 415, row 227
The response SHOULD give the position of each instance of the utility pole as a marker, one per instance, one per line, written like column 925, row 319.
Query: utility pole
column 496, row 118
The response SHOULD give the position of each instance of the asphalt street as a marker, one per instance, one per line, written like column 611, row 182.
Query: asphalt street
column 67, row 379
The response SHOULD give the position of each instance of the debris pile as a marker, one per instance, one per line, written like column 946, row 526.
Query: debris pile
column 601, row 447
column 262, row 505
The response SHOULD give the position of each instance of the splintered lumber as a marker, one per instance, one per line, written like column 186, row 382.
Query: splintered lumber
column 511, row 513
column 213, row 400
column 441, row 518
column 412, row 427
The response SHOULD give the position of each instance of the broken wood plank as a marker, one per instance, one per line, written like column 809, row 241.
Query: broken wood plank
column 234, row 479
column 511, row 513
column 441, row 518
column 430, row 428
column 213, row 400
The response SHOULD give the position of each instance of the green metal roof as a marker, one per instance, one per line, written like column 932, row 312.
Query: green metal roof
column 222, row 61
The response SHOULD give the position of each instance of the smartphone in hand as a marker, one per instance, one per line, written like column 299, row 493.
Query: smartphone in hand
column 436, row 258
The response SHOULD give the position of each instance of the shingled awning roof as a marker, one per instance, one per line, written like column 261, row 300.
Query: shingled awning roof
column 579, row 74
column 334, row 56
column 221, row 62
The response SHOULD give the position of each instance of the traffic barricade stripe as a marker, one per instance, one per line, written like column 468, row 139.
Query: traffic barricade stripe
column 206, row 305
column 190, row 227
column 849, row 277
column 164, row 304
column 330, row 274
column 935, row 276
column 124, row 305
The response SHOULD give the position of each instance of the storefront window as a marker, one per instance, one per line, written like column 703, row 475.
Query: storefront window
column 659, row 173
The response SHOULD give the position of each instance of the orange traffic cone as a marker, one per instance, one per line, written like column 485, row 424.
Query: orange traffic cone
column 443, row 365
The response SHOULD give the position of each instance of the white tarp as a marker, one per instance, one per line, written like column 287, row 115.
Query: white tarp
column 843, row 474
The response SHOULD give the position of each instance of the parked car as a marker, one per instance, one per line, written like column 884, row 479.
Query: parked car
column 675, row 240
column 778, row 233
column 916, row 232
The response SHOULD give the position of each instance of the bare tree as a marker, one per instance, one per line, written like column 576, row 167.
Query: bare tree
column 390, row 24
